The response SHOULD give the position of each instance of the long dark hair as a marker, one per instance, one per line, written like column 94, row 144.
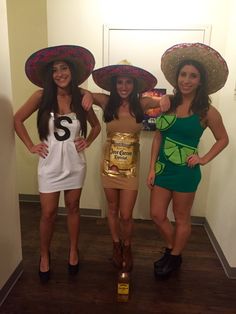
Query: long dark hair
column 111, row 109
column 201, row 101
column 49, row 101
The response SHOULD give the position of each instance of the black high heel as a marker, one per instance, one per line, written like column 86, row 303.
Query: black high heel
column 44, row 275
column 73, row 269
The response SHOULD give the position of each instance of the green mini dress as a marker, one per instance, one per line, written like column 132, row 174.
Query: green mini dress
column 180, row 138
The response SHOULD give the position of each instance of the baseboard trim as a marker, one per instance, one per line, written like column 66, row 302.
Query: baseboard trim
column 6, row 289
column 229, row 271
column 84, row 212
column 29, row 198
column 195, row 220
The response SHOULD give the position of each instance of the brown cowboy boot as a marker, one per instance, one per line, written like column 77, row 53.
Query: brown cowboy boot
column 117, row 255
column 127, row 258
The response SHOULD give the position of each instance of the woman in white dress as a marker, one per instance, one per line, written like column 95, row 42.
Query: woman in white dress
column 61, row 119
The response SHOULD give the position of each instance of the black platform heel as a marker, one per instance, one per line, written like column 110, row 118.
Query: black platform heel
column 161, row 261
column 172, row 264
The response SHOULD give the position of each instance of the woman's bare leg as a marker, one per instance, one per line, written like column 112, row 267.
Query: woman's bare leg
column 112, row 196
column 182, row 204
column 126, row 205
column 159, row 202
column 72, row 202
column 49, row 206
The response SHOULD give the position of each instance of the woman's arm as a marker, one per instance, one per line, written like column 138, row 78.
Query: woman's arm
column 29, row 107
column 82, row 143
column 215, row 123
column 100, row 99
column 156, row 142
column 87, row 100
column 157, row 102
column 95, row 127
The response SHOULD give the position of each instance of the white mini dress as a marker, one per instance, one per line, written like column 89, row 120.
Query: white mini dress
column 64, row 168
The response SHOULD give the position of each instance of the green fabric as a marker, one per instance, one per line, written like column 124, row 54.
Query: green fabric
column 179, row 140
column 165, row 121
column 177, row 152
column 159, row 167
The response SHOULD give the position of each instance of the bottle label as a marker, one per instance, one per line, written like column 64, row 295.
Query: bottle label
column 121, row 155
column 123, row 288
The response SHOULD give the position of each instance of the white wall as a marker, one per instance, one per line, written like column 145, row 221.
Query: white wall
column 84, row 26
column 221, row 201
column 27, row 28
column 10, row 238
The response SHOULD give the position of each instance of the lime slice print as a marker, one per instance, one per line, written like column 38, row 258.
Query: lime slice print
column 177, row 152
column 165, row 121
column 159, row 167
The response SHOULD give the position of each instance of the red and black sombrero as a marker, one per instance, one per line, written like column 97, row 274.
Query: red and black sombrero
column 102, row 76
column 36, row 63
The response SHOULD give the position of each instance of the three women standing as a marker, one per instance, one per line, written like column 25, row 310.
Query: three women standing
column 195, row 71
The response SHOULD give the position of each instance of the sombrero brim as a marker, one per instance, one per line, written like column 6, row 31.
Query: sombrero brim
column 36, row 63
column 103, row 76
column 214, row 64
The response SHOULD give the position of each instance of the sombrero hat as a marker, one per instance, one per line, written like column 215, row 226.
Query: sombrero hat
column 36, row 63
column 215, row 66
column 102, row 77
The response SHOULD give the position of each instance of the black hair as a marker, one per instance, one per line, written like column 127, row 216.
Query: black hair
column 111, row 109
column 49, row 101
column 201, row 102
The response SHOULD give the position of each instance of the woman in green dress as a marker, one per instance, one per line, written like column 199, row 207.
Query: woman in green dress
column 195, row 71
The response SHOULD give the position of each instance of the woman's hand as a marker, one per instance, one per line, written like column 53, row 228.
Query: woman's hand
column 194, row 160
column 40, row 149
column 87, row 100
column 80, row 144
column 165, row 103
column 150, row 179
